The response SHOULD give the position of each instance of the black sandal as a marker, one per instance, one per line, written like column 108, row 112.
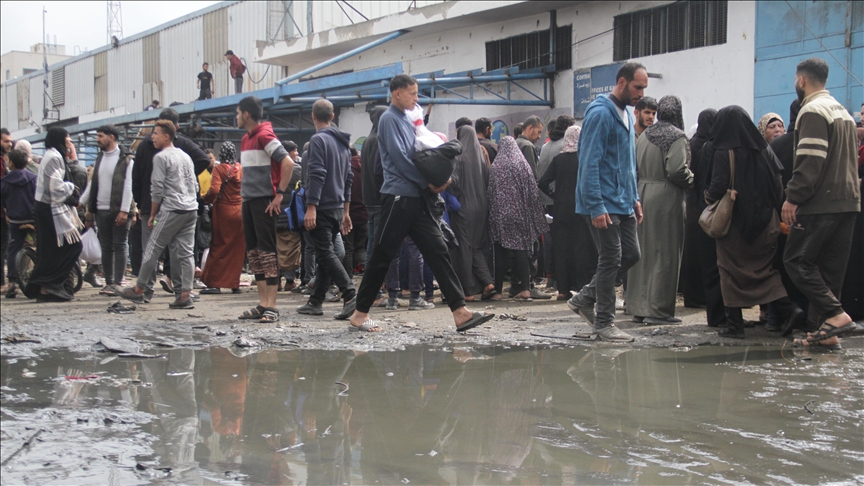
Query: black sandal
column 269, row 316
column 254, row 313
column 830, row 331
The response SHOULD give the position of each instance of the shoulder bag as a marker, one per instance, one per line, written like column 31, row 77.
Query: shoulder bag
column 717, row 217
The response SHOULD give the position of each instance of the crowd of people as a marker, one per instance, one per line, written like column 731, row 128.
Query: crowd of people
column 615, row 202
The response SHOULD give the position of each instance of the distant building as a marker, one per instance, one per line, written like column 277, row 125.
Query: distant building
column 19, row 63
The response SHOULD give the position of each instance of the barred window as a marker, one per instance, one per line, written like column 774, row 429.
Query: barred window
column 669, row 28
column 531, row 50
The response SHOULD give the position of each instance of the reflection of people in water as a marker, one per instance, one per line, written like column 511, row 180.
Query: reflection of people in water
column 227, row 399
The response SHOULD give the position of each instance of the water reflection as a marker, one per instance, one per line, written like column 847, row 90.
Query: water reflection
column 465, row 416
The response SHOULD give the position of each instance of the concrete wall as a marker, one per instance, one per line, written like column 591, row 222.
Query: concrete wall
column 13, row 63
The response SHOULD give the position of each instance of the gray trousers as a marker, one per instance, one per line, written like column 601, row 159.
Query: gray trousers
column 238, row 84
column 176, row 231
column 115, row 247
column 618, row 248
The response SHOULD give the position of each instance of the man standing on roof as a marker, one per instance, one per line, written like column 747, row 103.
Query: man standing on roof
column 206, row 85
column 237, row 69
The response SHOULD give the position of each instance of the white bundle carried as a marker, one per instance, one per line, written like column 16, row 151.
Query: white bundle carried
column 424, row 139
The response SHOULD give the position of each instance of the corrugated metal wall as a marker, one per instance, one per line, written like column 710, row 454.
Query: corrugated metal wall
column 152, row 86
column 183, row 47
column 37, row 102
column 215, row 45
column 80, row 98
column 126, row 78
column 100, row 82
column 247, row 23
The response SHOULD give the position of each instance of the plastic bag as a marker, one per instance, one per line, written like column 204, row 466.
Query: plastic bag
column 424, row 138
column 91, row 250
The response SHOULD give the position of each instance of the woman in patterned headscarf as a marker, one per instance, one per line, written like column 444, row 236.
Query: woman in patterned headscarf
column 575, row 261
column 663, row 161
column 227, row 250
column 515, row 218
column 771, row 126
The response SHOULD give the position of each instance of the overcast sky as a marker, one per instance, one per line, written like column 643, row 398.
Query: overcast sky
column 84, row 24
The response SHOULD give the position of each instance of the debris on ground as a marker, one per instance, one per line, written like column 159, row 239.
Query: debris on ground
column 19, row 338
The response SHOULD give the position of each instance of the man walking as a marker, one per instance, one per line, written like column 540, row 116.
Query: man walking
column 206, row 85
column 267, row 170
column 607, row 197
column 173, row 213
column 821, row 201
column 108, row 199
column 406, row 214
column 236, row 68
column 532, row 128
column 328, row 200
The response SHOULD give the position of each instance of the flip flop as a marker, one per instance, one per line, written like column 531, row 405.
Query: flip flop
column 254, row 313
column 367, row 326
column 487, row 296
column 477, row 319
column 800, row 343
column 830, row 331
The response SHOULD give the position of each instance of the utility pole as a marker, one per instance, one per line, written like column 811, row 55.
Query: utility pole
column 115, row 22
column 44, row 67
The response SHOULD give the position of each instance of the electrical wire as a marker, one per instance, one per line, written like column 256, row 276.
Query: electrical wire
column 243, row 60
column 821, row 44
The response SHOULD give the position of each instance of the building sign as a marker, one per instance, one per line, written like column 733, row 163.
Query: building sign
column 590, row 83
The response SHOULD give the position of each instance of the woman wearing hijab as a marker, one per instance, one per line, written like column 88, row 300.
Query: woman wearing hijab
column 227, row 249
column 516, row 218
column 469, row 180
column 576, row 258
column 58, row 237
column 745, row 255
column 663, row 161
column 771, row 126
column 702, row 151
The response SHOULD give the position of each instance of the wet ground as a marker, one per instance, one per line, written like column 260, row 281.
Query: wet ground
column 516, row 401
column 435, row 415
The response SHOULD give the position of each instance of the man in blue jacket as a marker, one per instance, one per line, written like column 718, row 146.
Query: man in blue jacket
column 606, row 195
column 404, row 213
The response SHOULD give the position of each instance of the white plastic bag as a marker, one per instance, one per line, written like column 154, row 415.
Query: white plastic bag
column 91, row 250
column 424, row 138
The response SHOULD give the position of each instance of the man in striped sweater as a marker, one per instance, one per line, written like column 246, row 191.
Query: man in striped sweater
column 267, row 171
column 821, row 201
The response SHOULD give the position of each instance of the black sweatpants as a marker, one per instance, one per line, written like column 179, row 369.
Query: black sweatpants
column 403, row 216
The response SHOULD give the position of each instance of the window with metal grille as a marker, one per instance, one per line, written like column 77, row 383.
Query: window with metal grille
column 58, row 86
column 528, row 51
column 669, row 28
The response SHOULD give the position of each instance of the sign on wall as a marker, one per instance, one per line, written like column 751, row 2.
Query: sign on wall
column 590, row 83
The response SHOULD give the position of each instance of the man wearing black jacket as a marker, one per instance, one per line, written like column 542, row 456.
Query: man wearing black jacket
column 373, row 176
column 143, row 169
column 328, row 199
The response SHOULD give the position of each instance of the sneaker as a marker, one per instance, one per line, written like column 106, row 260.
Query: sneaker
column 299, row 289
column 538, row 294
column 181, row 304
column 347, row 310
column 332, row 297
column 148, row 296
column 198, row 284
column 586, row 311
column 392, row 303
column 306, row 291
column 92, row 279
column 310, row 310
column 128, row 293
column 419, row 304
column 108, row 290
column 619, row 303
column 612, row 333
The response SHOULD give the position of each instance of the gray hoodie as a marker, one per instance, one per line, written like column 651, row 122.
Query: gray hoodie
column 328, row 169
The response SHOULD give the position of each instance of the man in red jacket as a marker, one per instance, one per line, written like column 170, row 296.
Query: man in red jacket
column 236, row 68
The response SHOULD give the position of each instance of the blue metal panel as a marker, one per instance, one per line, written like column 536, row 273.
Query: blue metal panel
column 782, row 41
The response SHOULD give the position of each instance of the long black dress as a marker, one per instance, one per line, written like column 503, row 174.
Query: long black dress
column 575, row 261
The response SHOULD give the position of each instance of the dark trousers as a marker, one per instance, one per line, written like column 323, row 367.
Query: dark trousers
column 408, row 216
column 406, row 270
column 618, row 249
column 135, row 248
column 16, row 242
column 327, row 224
column 816, row 255
column 518, row 262
column 355, row 247
column 4, row 241
column 114, row 242
column 714, row 308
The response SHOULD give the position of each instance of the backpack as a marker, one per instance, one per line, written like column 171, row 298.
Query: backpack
column 296, row 210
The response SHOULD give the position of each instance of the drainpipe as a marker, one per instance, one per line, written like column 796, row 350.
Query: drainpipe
column 553, row 32
column 309, row 27
column 341, row 57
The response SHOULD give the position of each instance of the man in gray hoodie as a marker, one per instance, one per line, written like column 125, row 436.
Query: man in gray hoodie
column 328, row 197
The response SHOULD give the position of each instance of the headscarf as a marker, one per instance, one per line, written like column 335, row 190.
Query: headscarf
column 700, row 166
column 56, row 139
column 25, row 146
column 736, row 130
column 571, row 139
column 757, row 170
column 470, row 178
column 766, row 120
column 670, row 125
column 227, row 153
column 515, row 213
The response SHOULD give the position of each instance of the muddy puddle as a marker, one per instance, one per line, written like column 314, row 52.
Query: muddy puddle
column 709, row 415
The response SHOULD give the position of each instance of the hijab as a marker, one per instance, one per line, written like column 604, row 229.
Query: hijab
column 56, row 139
column 766, row 120
column 470, row 178
column 227, row 153
column 571, row 139
column 670, row 124
column 699, row 164
column 25, row 146
column 735, row 129
column 706, row 121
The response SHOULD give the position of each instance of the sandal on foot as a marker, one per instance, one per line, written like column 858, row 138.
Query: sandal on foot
column 806, row 344
column 827, row 331
column 477, row 319
column 269, row 315
column 522, row 299
column 253, row 313
column 368, row 326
